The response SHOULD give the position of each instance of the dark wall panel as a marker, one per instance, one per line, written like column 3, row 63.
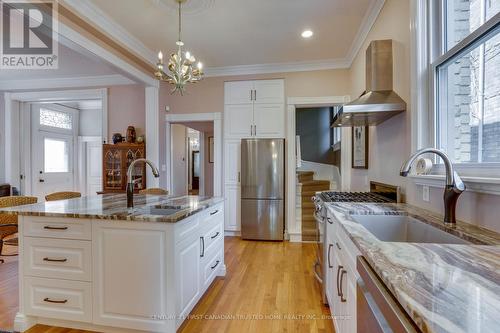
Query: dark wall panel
column 313, row 126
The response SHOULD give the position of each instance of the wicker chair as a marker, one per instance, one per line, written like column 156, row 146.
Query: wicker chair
column 154, row 191
column 8, row 223
column 62, row 196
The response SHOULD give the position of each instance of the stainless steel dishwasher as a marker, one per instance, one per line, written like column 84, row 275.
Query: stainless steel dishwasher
column 377, row 310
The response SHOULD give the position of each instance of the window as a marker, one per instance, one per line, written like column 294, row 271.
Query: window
column 56, row 155
column 56, row 119
column 467, row 83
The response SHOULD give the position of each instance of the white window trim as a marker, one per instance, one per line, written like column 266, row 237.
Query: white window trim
column 424, row 18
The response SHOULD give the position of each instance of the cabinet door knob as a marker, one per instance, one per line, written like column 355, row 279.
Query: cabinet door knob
column 338, row 246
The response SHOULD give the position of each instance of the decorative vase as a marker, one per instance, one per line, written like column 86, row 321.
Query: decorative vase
column 117, row 138
column 131, row 135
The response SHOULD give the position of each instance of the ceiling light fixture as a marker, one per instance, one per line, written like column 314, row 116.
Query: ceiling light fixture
column 181, row 65
column 307, row 34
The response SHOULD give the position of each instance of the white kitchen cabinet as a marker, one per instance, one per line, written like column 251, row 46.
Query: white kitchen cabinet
column 254, row 109
column 238, row 92
column 129, row 275
column 341, row 277
column 233, row 208
column 232, row 167
column 239, row 120
column 269, row 91
column 188, row 273
column 269, row 120
column 131, row 285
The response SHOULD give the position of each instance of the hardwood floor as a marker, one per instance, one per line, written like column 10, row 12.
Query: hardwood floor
column 269, row 287
column 9, row 292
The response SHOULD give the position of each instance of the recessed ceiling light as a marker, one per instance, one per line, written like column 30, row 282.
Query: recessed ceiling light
column 307, row 34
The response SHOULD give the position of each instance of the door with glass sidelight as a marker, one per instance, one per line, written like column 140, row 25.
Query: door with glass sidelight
column 54, row 135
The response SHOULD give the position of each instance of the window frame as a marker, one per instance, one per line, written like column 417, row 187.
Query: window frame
column 438, row 56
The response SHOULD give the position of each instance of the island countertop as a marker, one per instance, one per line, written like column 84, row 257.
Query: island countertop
column 443, row 288
column 114, row 207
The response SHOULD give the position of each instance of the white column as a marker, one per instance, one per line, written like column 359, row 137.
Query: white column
column 218, row 155
column 152, row 132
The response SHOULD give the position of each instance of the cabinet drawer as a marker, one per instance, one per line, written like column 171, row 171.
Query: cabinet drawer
column 211, row 264
column 212, row 236
column 59, row 299
column 54, row 227
column 212, row 216
column 57, row 258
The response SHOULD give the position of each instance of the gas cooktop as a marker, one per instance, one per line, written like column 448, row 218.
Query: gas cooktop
column 353, row 197
column 379, row 193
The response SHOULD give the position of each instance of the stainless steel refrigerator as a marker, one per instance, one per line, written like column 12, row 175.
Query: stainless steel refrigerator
column 262, row 189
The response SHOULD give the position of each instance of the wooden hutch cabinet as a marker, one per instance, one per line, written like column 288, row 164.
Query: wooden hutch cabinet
column 116, row 160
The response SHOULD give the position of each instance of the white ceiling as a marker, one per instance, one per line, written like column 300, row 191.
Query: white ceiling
column 225, row 33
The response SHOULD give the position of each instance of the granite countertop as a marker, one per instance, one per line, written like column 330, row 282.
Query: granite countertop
column 114, row 207
column 443, row 288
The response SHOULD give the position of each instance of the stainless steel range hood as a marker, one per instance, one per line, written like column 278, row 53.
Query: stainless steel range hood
column 379, row 102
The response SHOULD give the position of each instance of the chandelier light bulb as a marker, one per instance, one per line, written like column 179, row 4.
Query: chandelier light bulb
column 188, row 55
column 160, row 55
column 200, row 66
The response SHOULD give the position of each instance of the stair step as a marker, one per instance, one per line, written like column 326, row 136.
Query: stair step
column 315, row 182
column 305, row 175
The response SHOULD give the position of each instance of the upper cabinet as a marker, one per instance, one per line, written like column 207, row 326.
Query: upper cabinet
column 254, row 109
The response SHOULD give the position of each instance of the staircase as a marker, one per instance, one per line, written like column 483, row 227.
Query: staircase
column 308, row 187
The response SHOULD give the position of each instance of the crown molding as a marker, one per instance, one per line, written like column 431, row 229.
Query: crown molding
column 299, row 66
column 65, row 82
column 369, row 19
column 109, row 26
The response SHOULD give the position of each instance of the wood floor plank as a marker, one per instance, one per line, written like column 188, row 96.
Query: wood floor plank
column 269, row 287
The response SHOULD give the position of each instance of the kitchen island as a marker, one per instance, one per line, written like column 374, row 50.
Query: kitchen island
column 92, row 263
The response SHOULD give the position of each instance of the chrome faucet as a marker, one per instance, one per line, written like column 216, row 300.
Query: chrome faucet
column 131, row 182
column 454, row 184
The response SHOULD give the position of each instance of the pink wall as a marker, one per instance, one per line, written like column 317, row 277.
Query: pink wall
column 126, row 106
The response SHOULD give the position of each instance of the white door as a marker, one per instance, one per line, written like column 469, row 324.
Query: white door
column 54, row 129
column 238, row 92
column 269, row 91
column 269, row 120
column 94, row 167
column 232, row 151
column 179, row 159
column 53, row 164
column 238, row 121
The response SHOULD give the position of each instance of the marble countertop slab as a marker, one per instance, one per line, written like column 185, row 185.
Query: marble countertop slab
column 114, row 207
column 443, row 288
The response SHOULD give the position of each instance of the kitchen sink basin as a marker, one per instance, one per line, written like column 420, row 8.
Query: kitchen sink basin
column 400, row 228
column 164, row 211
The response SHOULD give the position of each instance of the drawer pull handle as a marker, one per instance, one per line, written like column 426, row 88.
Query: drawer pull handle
column 55, row 260
column 215, row 236
column 216, row 263
column 342, row 298
column 338, row 246
column 213, row 213
column 48, row 227
column 48, row 300
column 329, row 220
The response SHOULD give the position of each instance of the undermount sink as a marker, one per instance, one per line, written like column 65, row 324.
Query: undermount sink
column 400, row 228
column 163, row 210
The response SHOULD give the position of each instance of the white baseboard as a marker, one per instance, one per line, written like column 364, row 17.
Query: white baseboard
column 232, row 233
column 23, row 323
column 295, row 237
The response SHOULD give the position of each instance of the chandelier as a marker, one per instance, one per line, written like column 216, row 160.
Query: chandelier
column 181, row 68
